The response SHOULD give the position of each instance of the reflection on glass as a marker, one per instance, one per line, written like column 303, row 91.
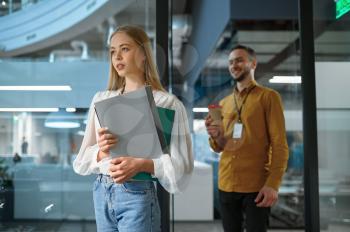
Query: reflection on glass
column 332, row 61
column 215, row 82
column 38, row 161
column 65, row 67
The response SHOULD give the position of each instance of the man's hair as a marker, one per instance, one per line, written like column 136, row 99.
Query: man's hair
column 249, row 50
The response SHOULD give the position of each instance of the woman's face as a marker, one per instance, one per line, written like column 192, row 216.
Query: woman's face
column 127, row 56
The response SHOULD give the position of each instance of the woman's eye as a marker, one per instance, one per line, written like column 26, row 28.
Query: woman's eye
column 125, row 49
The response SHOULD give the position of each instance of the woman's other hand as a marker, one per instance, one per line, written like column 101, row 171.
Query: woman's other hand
column 124, row 168
column 106, row 141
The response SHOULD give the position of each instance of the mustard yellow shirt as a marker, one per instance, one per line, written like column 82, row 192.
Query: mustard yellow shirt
column 260, row 156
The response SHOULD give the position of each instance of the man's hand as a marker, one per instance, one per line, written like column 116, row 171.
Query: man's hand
column 267, row 197
column 123, row 168
column 214, row 131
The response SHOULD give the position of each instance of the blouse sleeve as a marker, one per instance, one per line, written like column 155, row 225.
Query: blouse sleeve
column 86, row 160
column 175, row 169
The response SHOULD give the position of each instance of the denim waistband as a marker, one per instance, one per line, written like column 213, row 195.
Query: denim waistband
column 108, row 179
column 104, row 178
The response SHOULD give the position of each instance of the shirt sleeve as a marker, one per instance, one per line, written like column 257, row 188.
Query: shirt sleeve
column 86, row 161
column 174, row 170
column 213, row 144
column 277, row 134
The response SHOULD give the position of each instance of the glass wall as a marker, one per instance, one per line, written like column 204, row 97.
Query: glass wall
column 275, row 40
column 332, row 62
column 41, row 130
column 215, row 82
column 53, row 59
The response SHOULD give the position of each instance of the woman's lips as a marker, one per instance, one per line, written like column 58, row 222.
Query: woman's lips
column 120, row 66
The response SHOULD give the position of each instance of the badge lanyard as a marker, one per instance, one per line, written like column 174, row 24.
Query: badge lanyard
column 239, row 110
column 238, row 127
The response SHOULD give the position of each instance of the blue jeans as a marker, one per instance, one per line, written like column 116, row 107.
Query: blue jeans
column 128, row 207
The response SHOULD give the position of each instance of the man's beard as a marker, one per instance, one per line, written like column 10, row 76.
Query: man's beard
column 242, row 76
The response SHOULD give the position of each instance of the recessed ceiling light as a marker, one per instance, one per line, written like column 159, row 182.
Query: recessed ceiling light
column 28, row 109
column 35, row 88
column 200, row 110
column 61, row 119
column 71, row 109
column 286, row 79
column 62, row 124
column 82, row 133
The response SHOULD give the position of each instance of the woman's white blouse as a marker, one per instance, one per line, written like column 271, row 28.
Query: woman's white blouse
column 172, row 170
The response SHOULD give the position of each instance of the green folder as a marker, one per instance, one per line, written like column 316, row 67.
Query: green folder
column 166, row 117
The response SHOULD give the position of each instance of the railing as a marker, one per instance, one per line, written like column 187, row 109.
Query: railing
column 8, row 7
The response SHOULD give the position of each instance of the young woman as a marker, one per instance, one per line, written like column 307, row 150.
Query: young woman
column 120, row 203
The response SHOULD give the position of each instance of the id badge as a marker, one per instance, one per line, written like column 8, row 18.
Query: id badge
column 237, row 131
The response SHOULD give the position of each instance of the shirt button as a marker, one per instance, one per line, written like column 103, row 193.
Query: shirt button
column 234, row 157
column 235, row 141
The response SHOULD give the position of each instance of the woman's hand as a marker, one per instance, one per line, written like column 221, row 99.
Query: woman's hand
column 106, row 141
column 124, row 168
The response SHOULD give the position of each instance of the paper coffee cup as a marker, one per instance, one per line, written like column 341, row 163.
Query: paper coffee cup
column 215, row 112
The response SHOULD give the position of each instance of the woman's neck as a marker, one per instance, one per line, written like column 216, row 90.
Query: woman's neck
column 132, row 84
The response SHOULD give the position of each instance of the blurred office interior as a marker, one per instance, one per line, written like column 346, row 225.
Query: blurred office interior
column 54, row 58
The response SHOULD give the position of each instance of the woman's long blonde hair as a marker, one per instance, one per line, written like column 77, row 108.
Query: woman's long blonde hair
column 115, row 81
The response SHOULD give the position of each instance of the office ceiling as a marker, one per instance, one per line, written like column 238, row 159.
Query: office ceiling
column 275, row 41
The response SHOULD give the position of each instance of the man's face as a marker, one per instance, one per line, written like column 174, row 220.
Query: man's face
column 240, row 64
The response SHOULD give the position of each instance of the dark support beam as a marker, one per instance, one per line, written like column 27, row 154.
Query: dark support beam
column 162, row 54
column 264, row 10
column 291, row 49
column 279, row 58
column 311, row 183
column 162, row 40
column 323, row 18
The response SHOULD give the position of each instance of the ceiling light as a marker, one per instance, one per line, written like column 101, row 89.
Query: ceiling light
column 62, row 124
column 35, row 88
column 28, row 109
column 71, row 110
column 62, row 120
column 200, row 110
column 3, row 3
column 82, row 133
column 286, row 79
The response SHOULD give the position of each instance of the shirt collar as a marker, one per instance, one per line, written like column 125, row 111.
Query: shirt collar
column 251, row 84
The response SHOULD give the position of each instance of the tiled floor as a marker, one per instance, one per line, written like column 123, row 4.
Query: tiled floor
column 89, row 226
column 209, row 227
column 48, row 226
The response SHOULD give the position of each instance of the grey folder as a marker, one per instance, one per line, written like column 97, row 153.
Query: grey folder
column 133, row 117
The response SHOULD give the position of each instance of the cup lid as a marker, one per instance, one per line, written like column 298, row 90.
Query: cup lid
column 213, row 106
